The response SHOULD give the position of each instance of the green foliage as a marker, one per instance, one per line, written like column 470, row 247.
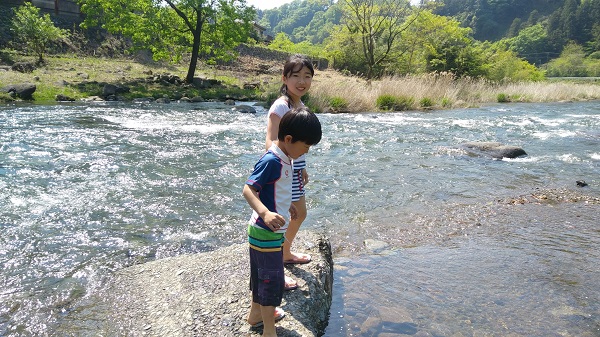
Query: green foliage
column 531, row 44
column 428, row 43
column 173, row 29
column 33, row 31
column 394, row 103
column 492, row 20
column 307, row 20
column 426, row 102
column 311, row 103
column 503, row 98
column 283, row 43
column 502, row 64
column 5, row 98
column 370, row 33
column 338, row 102
column 570, row 63
column 573, row 63
column 446, row 102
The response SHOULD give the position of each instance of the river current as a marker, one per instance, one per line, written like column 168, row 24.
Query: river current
column 87, row 189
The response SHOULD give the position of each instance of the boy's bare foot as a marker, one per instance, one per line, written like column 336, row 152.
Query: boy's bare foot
column 255, row 319
column 297, row 258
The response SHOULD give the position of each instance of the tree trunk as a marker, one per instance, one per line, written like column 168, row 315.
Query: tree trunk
column 195, row 50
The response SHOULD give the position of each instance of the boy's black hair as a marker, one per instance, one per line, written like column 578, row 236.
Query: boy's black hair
column 302, row 124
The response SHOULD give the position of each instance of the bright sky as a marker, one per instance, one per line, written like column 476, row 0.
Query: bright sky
column 270, row 4
column 267, row 4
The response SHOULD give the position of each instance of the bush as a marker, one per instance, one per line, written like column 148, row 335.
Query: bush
column 503, row 98
column 338, row 103
column 394, row 103
column 34, row 31
column 426, row 102
column 5, row 98
column 446, row 103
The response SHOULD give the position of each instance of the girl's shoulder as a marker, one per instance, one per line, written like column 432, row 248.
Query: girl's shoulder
column 280, row 106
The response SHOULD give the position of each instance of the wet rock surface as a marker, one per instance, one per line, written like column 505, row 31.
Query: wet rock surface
column 493, row 149
column 207, row 294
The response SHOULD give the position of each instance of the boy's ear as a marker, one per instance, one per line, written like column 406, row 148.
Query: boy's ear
column 288, row 139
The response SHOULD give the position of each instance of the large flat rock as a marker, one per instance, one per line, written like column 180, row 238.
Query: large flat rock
column 207, row 294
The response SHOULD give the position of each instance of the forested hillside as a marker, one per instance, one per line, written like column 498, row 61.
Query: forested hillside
column 500, row 40
column 492, row 20
column 545, row 26
column 302, row 20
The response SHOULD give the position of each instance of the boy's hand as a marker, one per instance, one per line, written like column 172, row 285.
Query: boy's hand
column 273, row 220
column 293, row 212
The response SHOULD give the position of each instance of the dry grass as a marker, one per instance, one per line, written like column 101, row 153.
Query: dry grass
column 441, row 90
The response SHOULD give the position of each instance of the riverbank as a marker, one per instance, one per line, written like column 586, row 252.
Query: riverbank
column 73, row 78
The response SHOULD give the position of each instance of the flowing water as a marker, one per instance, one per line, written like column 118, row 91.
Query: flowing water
column 88, row 189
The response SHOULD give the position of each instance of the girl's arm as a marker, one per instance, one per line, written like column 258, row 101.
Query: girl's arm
column 273, row 220
column 304, row 176
column 272, row 130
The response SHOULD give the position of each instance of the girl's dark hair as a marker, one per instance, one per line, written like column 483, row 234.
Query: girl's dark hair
column 302, row 124
column 294, row 64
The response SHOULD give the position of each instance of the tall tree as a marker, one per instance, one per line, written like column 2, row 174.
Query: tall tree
column 174, row 28
column 378, row 25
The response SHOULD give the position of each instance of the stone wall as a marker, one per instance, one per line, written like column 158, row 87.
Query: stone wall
column 64, row 13
column 58, row 7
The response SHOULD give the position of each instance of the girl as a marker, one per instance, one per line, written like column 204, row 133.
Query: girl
column 297, row 76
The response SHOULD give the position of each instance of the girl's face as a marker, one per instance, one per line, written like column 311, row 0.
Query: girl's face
column 298, row 82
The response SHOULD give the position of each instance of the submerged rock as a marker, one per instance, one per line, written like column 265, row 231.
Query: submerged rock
column 244, row 109
column 493, row 149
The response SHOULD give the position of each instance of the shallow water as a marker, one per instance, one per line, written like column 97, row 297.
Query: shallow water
column 89, row 189
column 533, row 274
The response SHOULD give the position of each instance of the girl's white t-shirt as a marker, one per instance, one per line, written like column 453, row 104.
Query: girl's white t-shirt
column 280, row 107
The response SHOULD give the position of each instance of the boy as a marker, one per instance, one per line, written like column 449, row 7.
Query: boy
column 268, row 191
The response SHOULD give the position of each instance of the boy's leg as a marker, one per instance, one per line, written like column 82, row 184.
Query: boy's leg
column 255, row 314
column 266, row 283
column 292, row 230
column 268, row 318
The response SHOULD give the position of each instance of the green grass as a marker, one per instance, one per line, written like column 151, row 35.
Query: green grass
column 394, row 103
column 79, row 77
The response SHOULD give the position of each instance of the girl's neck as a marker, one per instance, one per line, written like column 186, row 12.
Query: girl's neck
column 293, row 101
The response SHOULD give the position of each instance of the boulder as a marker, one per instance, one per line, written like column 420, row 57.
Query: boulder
column 64, row 98
column 206, row 294
column 244, row 109
column 23, row 67
column 23, row 91
column 493, row 149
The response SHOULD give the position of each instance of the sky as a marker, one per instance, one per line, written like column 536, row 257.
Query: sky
column 267, row 4
column 270, row 4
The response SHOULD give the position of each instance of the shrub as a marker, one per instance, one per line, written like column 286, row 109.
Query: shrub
column 394, row 103
column 5, row 98
column 503, row 98
column 426, row 102
column 446, row 103
column 338, row 102
column 35, row 31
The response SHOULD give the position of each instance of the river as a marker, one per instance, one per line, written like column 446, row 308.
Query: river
column 457, row 245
